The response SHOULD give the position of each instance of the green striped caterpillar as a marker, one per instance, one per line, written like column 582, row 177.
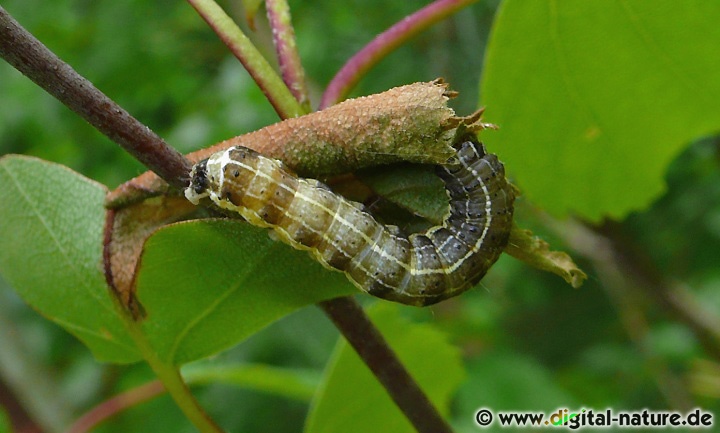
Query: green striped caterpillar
column 421, row 269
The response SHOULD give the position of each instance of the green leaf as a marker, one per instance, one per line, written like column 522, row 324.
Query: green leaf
column 594, row 99
column 51, row 231
column 414, row 187
column 352, row 400
column 207, row 285
column 509, row 381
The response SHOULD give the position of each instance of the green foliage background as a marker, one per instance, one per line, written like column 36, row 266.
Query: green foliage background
column 528, row 342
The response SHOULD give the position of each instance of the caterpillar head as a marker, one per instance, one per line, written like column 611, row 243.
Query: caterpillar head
column 198, row 183
column 225, row 175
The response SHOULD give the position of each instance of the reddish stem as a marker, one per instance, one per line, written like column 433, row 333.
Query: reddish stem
column 115, row 405
column 293, row 74
column 275, row 90
column 384, row 43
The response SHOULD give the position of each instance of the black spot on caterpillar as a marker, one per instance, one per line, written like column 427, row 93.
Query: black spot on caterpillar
column 421, row 269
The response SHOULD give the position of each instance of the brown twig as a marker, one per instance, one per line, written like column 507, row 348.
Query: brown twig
column 34, row 60
column 367, row 341
column 29, row 56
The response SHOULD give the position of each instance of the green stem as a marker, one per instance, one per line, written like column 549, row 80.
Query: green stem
column 264, row 75
column 170, row 376
column 176, row 387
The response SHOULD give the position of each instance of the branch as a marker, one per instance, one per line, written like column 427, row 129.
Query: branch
column 367, row 341
column 29, row 56
column 383, row 44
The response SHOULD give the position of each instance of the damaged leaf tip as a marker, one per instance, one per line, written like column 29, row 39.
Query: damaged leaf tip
column 536, row 252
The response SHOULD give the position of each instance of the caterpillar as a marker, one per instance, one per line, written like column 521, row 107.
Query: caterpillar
column 419, row 270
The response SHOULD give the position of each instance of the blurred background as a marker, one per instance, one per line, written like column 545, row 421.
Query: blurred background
column 643, row 332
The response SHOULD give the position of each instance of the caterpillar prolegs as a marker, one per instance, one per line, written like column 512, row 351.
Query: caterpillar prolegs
column 421, row 269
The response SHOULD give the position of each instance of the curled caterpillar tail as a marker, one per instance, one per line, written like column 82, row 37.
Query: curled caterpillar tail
column 421, row 269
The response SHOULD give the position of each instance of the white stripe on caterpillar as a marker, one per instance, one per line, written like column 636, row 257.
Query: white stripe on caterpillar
column 421, row 269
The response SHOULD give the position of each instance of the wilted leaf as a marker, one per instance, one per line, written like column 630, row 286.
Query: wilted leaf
column 408, row 123
column 536, row 253
column 128, row 228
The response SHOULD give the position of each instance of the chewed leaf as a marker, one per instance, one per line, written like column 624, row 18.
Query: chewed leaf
column 51, row 231
column 128, row 229
column 536, row 253
column 207, row 285
column 407, row 123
